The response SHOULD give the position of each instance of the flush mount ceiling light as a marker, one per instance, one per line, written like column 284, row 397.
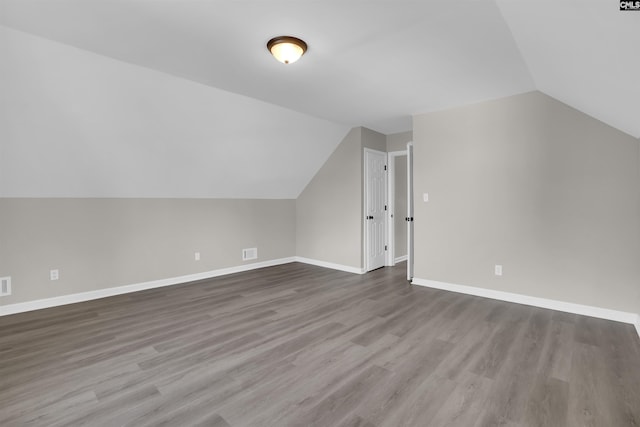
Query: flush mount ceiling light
column 287, row 49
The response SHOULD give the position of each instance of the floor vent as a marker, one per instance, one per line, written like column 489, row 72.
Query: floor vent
column 251, row 253
column 5, row 286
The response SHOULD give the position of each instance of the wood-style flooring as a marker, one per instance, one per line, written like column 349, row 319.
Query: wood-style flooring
column 298, row 345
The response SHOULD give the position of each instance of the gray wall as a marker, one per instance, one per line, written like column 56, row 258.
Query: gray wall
column 400, row 211
column 532, row 184
column 329, row 211
column 98, row 243
column 102, row 243
column 374, row 140
column 398, row 141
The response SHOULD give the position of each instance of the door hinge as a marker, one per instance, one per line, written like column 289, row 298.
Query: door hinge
column 385, row 247
column 385, row 167
column 385, row 207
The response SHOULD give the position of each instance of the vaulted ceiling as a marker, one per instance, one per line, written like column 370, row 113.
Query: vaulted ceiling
column 370, row 63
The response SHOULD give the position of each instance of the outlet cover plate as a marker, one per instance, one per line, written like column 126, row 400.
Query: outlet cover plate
column 249, row 253
column 498, row 270
column 5, row 286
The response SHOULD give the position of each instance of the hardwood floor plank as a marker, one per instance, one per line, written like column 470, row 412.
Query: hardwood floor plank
column 469, row 350
column 300, row 345
column 356, row 421
column 511, row 390
column 415, row 369
column 118, row 409
column 423, row 404
column 501, row 343
column 340, row 404
column 323, row 377
column 466, row 403
column 548, row 403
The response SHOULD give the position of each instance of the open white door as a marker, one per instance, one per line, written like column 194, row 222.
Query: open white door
column 375, row 191
column 409, row 211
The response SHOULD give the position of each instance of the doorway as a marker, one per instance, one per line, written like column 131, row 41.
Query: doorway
column 397, row 213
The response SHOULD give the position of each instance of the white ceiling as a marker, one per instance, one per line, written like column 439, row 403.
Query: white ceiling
column 370, row 63
column 583, row 53
column 77, row 124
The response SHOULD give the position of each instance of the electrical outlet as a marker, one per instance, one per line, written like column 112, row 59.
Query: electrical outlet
column 54, row 275
column 250, row 253
column 498, row 270
column 197, row 256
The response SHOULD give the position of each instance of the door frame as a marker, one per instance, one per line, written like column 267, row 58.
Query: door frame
column 365, row 229
column 410, row 208
column 391, row 203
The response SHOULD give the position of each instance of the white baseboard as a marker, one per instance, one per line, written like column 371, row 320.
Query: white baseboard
column 347, row 268
column 401, row 258
column 108, row 292
column 22, row 307
column 586, row 310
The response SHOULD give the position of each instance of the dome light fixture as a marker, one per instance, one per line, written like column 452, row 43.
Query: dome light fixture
column 287, row 49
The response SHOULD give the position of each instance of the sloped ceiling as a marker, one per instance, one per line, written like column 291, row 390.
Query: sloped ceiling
column 77, row 124
column 583, row 53
column 370, row 64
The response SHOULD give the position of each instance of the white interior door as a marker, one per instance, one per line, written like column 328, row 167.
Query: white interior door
column 409, row 211
column 375, row 202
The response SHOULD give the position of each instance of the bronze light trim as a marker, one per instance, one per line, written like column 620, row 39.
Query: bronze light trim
column 275, row 44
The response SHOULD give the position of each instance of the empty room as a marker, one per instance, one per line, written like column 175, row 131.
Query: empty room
column 319, row 213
